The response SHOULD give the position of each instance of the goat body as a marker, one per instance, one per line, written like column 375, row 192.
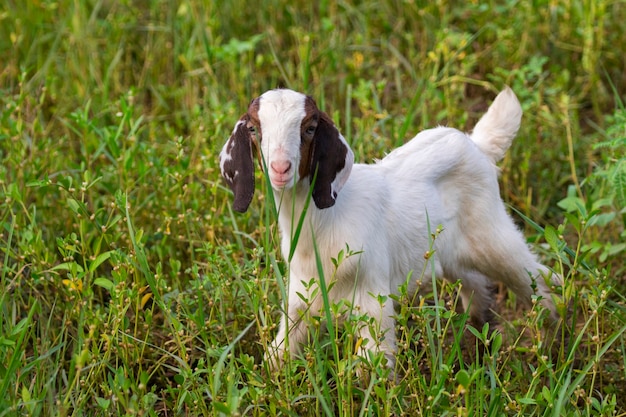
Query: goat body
column 385, row 211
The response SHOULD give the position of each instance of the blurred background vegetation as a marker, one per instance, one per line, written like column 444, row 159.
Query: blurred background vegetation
column 123, row 269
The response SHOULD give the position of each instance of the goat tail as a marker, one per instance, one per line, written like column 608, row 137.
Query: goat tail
column 495, row 131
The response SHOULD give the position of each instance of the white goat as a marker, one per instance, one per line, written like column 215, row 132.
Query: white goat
column 384, row 210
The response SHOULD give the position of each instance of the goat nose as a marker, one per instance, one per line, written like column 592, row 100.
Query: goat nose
column 280, row 167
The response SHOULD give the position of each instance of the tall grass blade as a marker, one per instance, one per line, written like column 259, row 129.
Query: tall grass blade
column 296, row 235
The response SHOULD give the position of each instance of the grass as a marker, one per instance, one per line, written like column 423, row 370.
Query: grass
column 129, row 287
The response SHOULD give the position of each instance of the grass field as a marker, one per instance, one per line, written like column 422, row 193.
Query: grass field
column 129, row 287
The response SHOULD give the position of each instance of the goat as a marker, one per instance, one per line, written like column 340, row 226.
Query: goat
column 441, row 178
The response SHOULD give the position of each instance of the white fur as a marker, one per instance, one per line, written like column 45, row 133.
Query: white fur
column 442, row 177
column 282, row 135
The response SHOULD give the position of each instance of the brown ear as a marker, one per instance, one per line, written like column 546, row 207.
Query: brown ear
column 237, row 164
column 331, row 162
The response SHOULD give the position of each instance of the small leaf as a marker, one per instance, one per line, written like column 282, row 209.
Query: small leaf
column 38, row 183
column 73, row 285
column 615, row 249
column 103, row 403
column 476, row 333
column 527, row 401
column 138, row 235
column 463, row 378
column 602, row 202
column 145, row 298
column 552, row 238
column 149, row 400
column 571, row 204
column 68, row 266
column 25, row 394
column 99, row 259
column 546, row 394
column 496, row 342
column 73, row 204
column 601, row 219
column 6, row 342
column 221, row 407
column 105, row 283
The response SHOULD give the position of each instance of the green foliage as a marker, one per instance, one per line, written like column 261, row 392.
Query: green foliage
column 129, row 287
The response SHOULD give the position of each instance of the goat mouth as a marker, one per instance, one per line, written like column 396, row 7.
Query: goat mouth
column 281, row 183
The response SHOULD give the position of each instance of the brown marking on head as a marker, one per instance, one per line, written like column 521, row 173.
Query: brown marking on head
column 307, row 132
column 327, row 156
column 236, row 158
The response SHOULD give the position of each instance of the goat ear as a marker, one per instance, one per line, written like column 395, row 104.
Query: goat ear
column 331, row 162
column 237, row 164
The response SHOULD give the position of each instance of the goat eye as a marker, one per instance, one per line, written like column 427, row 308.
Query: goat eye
column 310, row 130
column 254, row 132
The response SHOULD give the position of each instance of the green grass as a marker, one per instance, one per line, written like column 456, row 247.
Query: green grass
column 129, row 287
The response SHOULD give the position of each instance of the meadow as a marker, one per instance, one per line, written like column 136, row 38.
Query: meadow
column 128, row 286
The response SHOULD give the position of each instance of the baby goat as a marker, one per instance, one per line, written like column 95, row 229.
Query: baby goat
column 442, row 177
